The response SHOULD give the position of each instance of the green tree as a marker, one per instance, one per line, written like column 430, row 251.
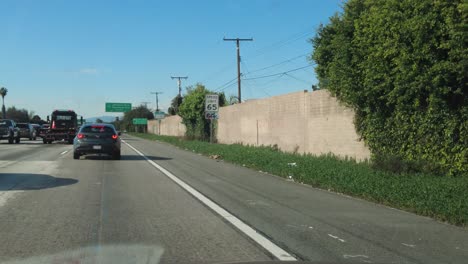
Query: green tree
column 37, row 120
column 175, row 105
column 138, row 112
column 3, row 93
column 18, row 115
column 233, row 99
column 192, row 111
column 403, row 66
column 117, row 123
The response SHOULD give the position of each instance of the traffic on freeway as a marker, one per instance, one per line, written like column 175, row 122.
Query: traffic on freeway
column 166, row 204
column 235, row 131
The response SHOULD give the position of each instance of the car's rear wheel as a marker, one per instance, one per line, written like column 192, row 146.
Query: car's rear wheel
column 76, row 155
column 70, row 141
column 116, row 155
column 10, row 140
column 17, row 140
column 44, row 141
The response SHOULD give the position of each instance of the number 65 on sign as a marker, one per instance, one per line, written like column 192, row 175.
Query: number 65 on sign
column 211, row 103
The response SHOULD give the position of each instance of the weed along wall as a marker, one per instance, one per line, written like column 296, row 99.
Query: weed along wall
column 169, row 126
column 306, row 122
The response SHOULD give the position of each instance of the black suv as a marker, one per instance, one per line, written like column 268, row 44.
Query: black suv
column 27, row 131
column 8, row 130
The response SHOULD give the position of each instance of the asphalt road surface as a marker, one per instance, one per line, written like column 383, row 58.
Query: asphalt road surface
column 191, row 209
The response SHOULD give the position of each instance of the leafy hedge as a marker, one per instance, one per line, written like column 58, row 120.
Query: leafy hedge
column 443, row 198
column 403, row 65
column 192, row 111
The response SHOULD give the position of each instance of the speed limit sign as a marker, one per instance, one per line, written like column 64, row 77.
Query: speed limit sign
column 211, row 103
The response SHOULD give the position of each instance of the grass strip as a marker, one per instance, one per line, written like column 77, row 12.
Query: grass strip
column 442, row 198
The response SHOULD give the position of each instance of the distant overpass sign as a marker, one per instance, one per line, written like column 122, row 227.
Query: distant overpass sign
column 118, row 107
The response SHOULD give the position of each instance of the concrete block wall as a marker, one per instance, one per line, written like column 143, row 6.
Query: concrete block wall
column 169, row 126
column 306, row 122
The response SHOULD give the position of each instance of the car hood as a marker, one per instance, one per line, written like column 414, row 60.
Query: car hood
column 100, row 254
column 123, row 254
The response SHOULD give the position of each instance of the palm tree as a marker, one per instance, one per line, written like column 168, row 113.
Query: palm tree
column 3, row 93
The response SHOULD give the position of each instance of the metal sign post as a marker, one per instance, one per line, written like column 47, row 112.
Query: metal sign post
column 211, row 130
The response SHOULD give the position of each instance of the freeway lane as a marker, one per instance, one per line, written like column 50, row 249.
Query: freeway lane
column 313, row 224
column 50, row 203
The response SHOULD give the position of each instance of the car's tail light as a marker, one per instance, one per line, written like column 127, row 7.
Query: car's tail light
column 53, row 124
column 115, row 136
column 80, row 136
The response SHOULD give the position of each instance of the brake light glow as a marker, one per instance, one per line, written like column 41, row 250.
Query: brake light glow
column 53, row 124
column 115, row 136
column 80, row 136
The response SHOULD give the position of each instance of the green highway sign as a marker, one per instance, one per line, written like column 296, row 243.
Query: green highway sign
column 140, row 121
column 159, row 115
column 118, row 107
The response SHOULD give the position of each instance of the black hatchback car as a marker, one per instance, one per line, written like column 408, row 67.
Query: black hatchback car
column 97, row 139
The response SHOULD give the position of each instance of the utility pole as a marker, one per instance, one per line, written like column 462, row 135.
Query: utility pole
column 157, row 102
column 179, row 82
column 145, row 104
column 238, row 40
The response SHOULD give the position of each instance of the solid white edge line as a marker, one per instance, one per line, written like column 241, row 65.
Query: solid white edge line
column 272, row 248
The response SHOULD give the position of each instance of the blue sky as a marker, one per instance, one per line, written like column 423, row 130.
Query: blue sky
column 80, row 54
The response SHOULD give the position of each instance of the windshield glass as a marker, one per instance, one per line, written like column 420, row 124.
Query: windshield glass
column 234, row 131
column 97, row 129
column 64, row 117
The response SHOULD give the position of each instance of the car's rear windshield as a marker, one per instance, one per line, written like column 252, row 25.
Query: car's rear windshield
column 23, row 125
column 5, row 123
column 97, row 129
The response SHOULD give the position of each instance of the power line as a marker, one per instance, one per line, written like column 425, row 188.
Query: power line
column 280, row 43
column 294, row 77
column 277, row 64
column 276, row 74
column 216, row 74
column 229, row 82
column 238, row 40
column 230, row 85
